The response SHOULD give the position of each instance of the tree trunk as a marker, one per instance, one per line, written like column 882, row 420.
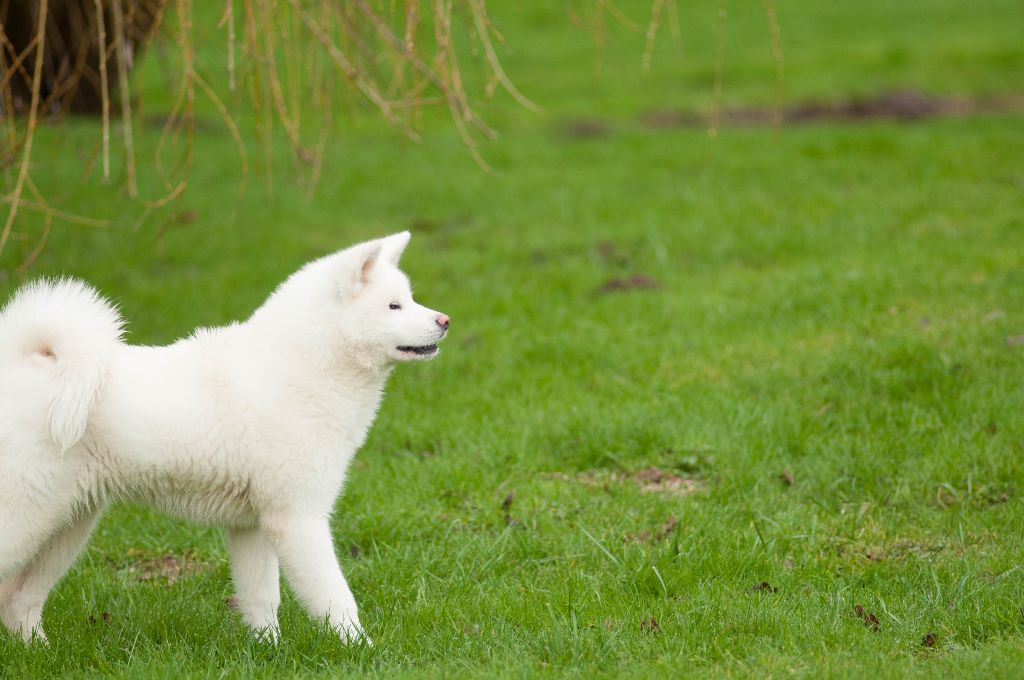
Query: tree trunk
column 70, row 79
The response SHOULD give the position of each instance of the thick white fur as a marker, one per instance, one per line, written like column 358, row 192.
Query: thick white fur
column 250, row 426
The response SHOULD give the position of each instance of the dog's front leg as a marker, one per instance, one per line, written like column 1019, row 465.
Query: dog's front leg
column 306, row 551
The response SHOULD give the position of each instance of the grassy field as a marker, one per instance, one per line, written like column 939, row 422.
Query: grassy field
column 737, row 406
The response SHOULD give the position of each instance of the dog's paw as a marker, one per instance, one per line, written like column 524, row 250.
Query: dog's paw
column 35, row 635
column 351, row 631
column 264, row 629
column 268, row 634
column 260, row 620
column 26, row 623
column 30, row 635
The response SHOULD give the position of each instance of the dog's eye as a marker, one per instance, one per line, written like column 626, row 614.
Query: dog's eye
column 394, row 305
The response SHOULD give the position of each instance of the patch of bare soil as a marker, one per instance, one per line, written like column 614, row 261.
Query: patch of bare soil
column 650, row 480
column 764, row 587
column 583, row 128
column 894, row 552
column 164, row 568
column 634, row 282
column 656, row 480
column 650, row 625
column 903, row 105
column 870, row 620
column 653, row 535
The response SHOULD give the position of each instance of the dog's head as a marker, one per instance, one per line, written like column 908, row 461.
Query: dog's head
column 380, row 318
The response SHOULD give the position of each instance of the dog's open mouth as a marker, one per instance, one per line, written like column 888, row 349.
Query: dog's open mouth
column 423, row 350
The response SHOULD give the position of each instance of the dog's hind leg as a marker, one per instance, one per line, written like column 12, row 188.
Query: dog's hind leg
column 37, row 501
column 257, row 579
column 22, row 535
column 33, row 507
column 23, row 595
column 25, row 531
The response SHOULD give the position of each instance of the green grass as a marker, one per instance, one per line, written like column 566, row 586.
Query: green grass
column 833, row 302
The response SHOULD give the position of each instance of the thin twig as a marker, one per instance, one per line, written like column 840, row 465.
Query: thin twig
column 448, row 66
column 46, row 209
column 168, row 129
column 34, row 255
column 716, row 105
column 366, row 87
column 677, row 34
column 780, row 74
column 188, row 57
column 236, row 135
column 291, row 127
column 104, row 88
column 17, row 67
column 609, row 6
column 8, row 109
column 33, row 111
column 126, row 105
column 229, row 19
column 443, row 77
column 600, row 39
column 479, row 13
column 652, row 33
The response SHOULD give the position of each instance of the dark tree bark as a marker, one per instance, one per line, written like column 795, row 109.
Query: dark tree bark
column 70, row 79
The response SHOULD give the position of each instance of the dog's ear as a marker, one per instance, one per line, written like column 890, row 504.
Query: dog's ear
column 394, row 245
column 359, row 264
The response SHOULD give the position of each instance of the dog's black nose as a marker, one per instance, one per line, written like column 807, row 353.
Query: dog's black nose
column 442, row 321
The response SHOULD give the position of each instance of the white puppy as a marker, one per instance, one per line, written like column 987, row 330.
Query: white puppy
column 250, row 426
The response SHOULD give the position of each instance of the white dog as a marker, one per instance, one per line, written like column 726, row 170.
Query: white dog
column 250, row 426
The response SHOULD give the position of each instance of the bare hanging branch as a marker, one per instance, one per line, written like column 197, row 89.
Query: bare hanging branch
column 299, row 62
column 780, row 70
column 716, row 104
column 652, row 33
column 101, row 36
column 121, row 50
column 479, row 13
column 30, row 134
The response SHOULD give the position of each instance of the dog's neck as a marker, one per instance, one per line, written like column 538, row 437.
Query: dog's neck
column 291, row 321
column 304, row 346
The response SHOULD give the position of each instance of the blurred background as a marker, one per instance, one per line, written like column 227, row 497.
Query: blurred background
column 233, row 109
column 736, row 295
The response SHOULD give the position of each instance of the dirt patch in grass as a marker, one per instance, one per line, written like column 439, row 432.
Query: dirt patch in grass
column 634, row 282
column 869, row 619
column 650, row 480
column 764, row 587
column 650, row 625
column 105, row 617
column 903, row 105
column 166, row 568
column 506, row 509
column 653, row 535
column 893, row 552
column 583, row 128
column 981, row 496
column 656, row 480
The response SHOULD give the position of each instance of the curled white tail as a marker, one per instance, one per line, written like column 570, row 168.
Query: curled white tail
column 67, row 323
